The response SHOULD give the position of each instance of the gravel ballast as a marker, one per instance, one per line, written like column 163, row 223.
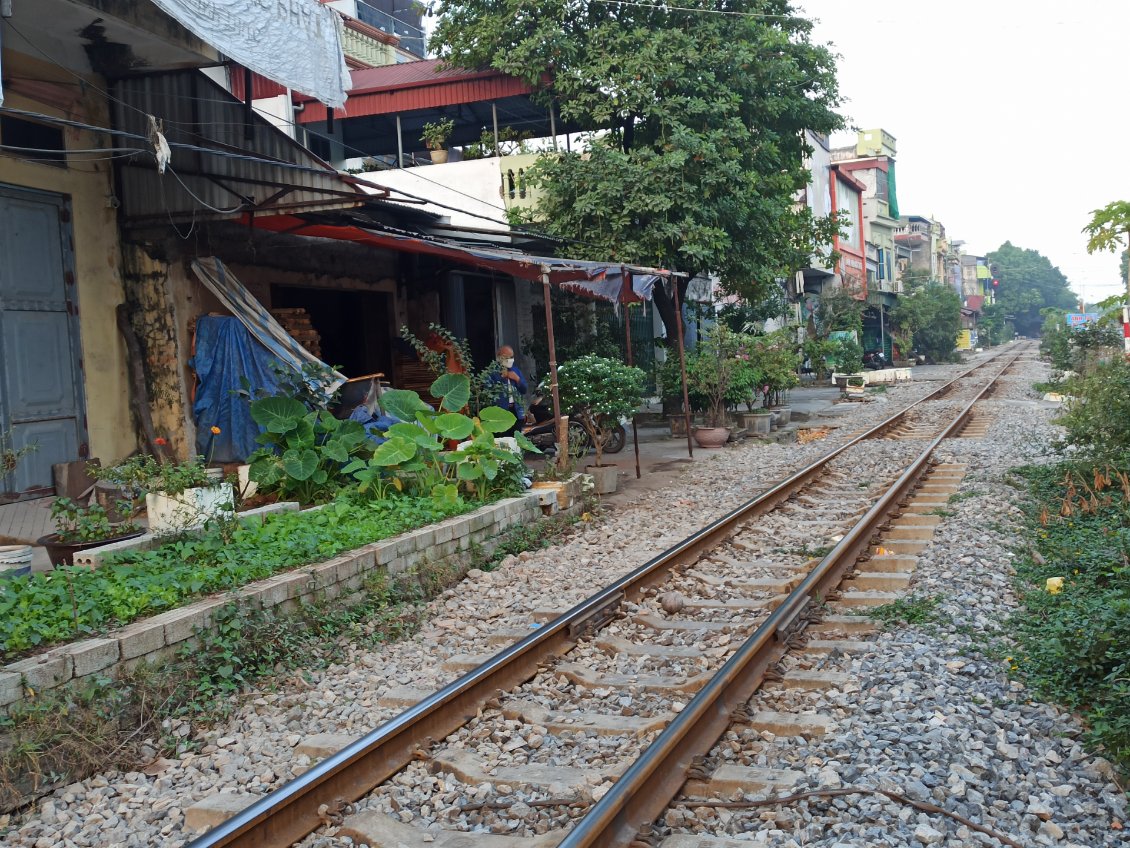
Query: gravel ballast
column 254, row 751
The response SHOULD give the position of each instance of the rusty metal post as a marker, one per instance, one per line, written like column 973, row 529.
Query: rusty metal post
column 560, row 424
column 628, row 341
column 682, row 364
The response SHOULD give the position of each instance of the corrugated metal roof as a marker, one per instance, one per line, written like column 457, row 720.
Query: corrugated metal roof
column 417, row 85
column 196, row 111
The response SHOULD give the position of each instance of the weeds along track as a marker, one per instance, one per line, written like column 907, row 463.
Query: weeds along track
column 583, row 731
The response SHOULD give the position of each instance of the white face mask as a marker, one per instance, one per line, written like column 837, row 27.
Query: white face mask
column 508, row 362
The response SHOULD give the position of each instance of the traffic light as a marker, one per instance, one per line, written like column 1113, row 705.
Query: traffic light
column 996, row 282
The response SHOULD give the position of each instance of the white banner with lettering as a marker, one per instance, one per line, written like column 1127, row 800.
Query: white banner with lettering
column 296, row 43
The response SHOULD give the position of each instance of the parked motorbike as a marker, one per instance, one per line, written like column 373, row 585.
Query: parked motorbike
column 874, row 360
column 541, row 431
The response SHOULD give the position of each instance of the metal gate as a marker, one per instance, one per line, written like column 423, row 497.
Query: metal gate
column 41, row 403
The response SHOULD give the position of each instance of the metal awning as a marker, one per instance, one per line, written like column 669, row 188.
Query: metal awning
column 611, row 281
column 225, row 161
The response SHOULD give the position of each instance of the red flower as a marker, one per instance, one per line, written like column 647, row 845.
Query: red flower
column 160, row 442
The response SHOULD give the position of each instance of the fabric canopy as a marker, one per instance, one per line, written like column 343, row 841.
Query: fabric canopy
column 258, row 320
column 296, row 43
column 603, row 280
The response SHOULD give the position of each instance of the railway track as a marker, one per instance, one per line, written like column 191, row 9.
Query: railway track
column 583, row 732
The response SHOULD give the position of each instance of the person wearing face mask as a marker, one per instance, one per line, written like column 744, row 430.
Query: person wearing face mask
column 512, row 387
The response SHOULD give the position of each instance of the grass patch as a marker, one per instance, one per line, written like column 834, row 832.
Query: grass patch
column 942, row 511
column 74, row 603
column 1073, row 644
column 807, row 551
column 958, row 497
column 913, row 610
column 151, row 710
column 531, row 537
column 877, row 389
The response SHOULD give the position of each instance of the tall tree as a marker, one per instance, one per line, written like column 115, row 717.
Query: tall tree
column 696, row 112
column 1028, row 283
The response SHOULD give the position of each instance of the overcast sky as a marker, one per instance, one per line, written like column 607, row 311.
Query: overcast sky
column 1012, row 116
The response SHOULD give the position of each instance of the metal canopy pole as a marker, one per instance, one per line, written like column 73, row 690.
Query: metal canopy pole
column 399, row 143
column 682, row 364
column 628, row 341
column 560, row 423
column 494, row 119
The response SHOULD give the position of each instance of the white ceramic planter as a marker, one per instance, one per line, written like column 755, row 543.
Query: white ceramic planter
column 188, row 510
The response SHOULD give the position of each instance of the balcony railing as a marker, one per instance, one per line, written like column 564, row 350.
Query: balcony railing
column 412, row 38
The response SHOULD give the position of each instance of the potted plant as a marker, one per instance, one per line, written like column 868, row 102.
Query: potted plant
column 711, row 372
column 435, row 136
column 849, row 361
column 10, row 457
column 598, row 392
column 178, row 495
column 78, row 528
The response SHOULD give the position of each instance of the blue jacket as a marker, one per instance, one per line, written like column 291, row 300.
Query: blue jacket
column 511, row 395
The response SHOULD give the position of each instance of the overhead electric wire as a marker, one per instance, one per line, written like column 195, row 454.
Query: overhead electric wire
column 259, row 159
column 667, row 7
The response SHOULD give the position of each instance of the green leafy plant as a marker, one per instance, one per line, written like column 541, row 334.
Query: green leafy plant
column 598, row 392
column 304, row 453
column 10, row 455
column 144, row 473
column 77, row 523
column 436, row 133
column 416, row 458
column 911, row 610
column 444, row 353
column 711, row 369
column 848, row 356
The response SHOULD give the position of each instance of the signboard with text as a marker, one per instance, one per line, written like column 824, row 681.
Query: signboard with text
column 1078, row 319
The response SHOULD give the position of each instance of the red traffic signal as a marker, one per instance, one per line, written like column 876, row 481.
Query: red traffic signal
column 996, row 283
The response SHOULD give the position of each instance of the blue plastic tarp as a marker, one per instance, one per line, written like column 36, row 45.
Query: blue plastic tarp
column 226, row 352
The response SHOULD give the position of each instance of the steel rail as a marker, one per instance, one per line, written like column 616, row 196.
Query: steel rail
column 287, row 814
column 652, row 782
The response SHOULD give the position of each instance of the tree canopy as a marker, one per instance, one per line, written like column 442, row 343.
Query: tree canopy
column 696, row 119
column 1028, row 283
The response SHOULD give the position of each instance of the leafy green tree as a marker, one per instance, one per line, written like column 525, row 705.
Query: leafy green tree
column 929, row 316
column 696, row 146
column 1028, row 283
column 598, row 392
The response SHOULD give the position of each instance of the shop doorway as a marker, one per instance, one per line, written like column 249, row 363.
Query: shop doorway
column 354, row 328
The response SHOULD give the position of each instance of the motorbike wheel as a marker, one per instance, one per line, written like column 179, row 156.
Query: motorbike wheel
column 615, row 439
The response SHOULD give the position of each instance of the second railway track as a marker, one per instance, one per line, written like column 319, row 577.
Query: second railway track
column 583, row 732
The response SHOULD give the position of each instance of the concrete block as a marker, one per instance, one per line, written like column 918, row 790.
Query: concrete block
column 185, row 623
column 326, row 573
column 260, row 513
column 215, row 810
column 45, row 671
column 93, row 655
column 350, row 566
column 443, row 532
column 272, row 592
column 385, row 552
column 140, row 638
column 405, row 545
column 11, row 688
column 95, row 557
column 397, row 566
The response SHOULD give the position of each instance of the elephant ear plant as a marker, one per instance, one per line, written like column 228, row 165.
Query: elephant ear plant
column 415, row 457
column 599, row 392
column 303, row 451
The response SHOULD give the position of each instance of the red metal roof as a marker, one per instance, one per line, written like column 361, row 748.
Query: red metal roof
column 410, row 86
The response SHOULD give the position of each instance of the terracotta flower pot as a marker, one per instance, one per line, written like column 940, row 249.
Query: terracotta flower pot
column 711, row 437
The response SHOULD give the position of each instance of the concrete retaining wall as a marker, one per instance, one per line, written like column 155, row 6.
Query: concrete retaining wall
column 163, row 634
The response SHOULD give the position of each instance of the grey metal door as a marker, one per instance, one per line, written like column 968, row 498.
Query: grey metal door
column 41, row 400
